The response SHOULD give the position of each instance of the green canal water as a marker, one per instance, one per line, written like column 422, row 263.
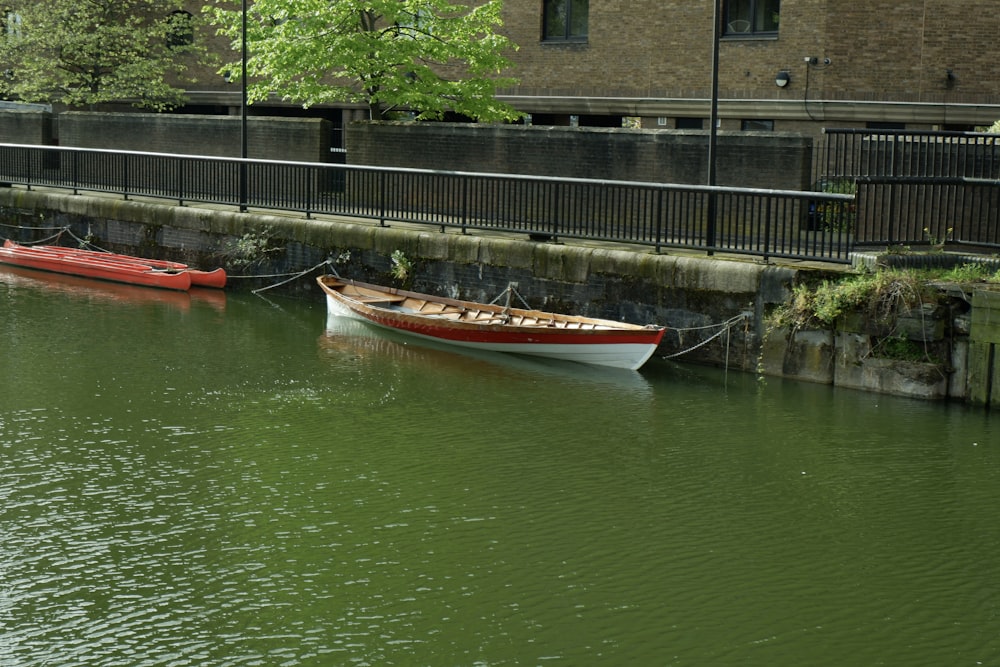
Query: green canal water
column 219, row 479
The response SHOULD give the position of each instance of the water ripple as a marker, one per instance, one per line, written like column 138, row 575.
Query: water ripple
column 344, row 501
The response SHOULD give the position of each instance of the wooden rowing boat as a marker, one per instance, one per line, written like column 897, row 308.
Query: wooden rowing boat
column 498, row 328
column 110, row 266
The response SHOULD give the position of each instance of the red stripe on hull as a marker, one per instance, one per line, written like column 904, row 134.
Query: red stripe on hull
column 497, row 334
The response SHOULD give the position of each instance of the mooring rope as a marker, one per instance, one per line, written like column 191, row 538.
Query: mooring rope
column 511, row 290
column 283, row 282
column 12, row 226
column 726, row 326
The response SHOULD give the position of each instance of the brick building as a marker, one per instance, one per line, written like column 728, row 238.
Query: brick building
column 786, row 65
column 790, row 65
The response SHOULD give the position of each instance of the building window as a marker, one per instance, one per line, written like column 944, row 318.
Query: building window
column 883, row 125
column 565, row 20
column 757, row 125
column 180, row 29
column 12, row 23
column 690, row 124
column 416, row 24
column 751, row 17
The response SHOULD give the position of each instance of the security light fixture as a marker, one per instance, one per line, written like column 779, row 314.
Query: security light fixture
column 782, row 79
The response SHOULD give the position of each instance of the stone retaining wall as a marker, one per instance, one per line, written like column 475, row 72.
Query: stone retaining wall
column 691, row 295
column 686, row 293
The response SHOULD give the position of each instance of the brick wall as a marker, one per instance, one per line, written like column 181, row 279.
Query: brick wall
column 743, row 159
column 25, row 127
column 880, row 50
column 297, row 139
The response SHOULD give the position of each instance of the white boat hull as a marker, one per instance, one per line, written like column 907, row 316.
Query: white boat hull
column 615, row 355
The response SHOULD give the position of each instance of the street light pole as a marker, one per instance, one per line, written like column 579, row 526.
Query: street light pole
column 713, row 123
column 243, row 111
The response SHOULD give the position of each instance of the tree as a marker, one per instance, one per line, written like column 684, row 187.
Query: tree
column 428, row 56
column 86, row 53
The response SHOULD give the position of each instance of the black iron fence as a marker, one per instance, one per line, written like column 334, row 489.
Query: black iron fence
column 916, row 187
column 765, row 223
column 858, row 153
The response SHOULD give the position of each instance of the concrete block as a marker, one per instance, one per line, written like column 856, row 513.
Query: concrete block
column 855, row 368
column 958, row 382
column 851, row 349
column 925, row 324
column 802, row 355
column 717, row 276
column 901, row 378
column 984, row 374
column 985, row 327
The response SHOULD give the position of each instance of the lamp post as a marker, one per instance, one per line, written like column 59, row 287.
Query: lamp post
column 243, row 111
column 713, row 123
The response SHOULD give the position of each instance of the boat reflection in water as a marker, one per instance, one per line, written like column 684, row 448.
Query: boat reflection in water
column 106, row 291
column 348, row 339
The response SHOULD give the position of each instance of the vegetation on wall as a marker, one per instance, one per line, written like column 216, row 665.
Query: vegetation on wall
column 250, row 249
column 880, row 296
column 86, row 53
column 835, row 216
column 401, row 269
column 424, row 56
column 877, row 300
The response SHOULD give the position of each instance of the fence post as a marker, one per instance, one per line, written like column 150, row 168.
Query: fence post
column 767, row 227
column 465, row 205
column 658, row 218
column 710, row 222
column 312, row 182
column 180, row 182
column 382, row 178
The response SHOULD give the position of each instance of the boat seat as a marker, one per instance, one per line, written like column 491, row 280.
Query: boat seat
column 447, row 310
column 386, row 298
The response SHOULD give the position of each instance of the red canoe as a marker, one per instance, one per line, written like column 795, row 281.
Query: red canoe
column 92, row 267
column 67, row 258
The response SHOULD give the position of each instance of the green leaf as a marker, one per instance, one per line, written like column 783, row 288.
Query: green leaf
column 425, row 56
column 86, row 53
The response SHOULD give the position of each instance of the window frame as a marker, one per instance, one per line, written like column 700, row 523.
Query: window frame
column 757, row 125
column 180, row 29
column 756, row 8
column 12, row 24
column 567, row 35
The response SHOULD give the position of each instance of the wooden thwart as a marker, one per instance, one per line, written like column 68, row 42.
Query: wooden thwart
column 383, row 298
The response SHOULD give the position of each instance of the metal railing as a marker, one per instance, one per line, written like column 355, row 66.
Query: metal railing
column 859, row 153
column 916, row 187
column 765, row 223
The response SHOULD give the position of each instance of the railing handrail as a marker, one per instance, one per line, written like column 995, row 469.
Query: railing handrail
column 754, row 221
column 860, row 131
column 928, row 180
column 688, row 187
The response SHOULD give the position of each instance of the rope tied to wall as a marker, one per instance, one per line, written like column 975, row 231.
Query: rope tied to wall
column 294, row 276
column 724, row 329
